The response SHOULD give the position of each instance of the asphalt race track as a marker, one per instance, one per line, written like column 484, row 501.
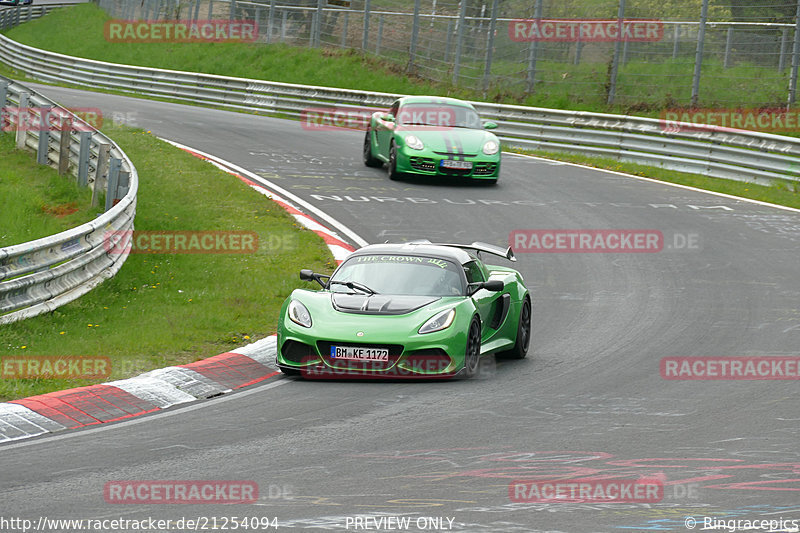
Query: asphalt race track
column 589, row 400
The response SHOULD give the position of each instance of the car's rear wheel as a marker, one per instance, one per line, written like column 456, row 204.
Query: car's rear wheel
column 473, row 355
column 391, row 166
column 520, row 349
column 368, row 159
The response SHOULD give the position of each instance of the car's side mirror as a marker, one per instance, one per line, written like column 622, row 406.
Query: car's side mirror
column 309, row 275
column 388, row 117
column 492, row 286
column 490, row 126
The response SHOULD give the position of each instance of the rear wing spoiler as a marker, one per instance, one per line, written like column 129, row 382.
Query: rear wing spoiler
column 506, row 253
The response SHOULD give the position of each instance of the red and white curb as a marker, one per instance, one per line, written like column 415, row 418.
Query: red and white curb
column 166, row 387
column 146, row 393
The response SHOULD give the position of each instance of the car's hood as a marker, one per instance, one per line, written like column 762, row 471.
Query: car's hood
column 454, row 140
column 379, row 304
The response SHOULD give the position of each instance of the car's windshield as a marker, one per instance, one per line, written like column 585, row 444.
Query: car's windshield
column 433, row 114
column 400, row 274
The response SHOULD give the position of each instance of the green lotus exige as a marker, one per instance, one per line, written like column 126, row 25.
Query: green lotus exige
column 406, row 311
column 432, row 136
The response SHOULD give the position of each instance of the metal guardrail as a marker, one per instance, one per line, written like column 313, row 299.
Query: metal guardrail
column 41, row 275
column 707, row 150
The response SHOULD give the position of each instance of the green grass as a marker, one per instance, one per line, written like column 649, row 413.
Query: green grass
column 163, row 310
column 34, row 200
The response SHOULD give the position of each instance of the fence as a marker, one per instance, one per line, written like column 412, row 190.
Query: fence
column 717, row 152
column 703, row 53
column 41, row 275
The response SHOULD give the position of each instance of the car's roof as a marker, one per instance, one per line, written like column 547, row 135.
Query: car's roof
column 442, row 100
column 456, row 255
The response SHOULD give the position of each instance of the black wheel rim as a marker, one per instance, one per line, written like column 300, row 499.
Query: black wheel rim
column 525, row 326
column 473, row 347
column 392, row 159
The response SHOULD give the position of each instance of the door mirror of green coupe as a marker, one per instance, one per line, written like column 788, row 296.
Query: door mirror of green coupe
column 388, row 117
column 309, row 275
column 490, row 126
column 494, row 285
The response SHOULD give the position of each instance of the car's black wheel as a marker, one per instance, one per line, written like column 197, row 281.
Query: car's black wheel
column 520, row 349
column 368, row 159
column 473, row 355
column 391, row 166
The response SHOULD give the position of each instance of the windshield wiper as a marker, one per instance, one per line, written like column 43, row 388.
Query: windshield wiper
column 352, row 285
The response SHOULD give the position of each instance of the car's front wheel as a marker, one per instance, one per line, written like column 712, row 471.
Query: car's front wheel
column 369, row 160
column 391, row 166
column 520, row 349
column 473, row 353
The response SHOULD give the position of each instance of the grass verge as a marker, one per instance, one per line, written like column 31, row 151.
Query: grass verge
column 164, row 310
column 34, row 200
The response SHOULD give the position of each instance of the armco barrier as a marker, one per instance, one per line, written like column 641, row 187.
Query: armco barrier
column 41, row 275
column 717, row 152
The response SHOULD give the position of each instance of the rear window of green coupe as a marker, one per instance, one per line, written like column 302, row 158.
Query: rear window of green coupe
column 402, row 274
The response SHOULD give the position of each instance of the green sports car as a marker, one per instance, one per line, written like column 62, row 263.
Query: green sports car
column 410, row 310
column 432, row 136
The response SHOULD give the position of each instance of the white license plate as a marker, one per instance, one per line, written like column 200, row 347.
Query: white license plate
column 353, row 353
column 459, row 165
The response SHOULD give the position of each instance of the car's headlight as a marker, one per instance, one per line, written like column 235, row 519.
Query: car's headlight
column 413, row 142
column 299, row 314
column 491, row 148
column 439, row 321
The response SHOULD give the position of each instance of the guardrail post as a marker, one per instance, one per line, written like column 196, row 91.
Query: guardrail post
column 44, row 135
column 23, row 120
column 612, row 76
column 365, row 38
column 210, row 9
column 83, row 158
column 462, row 17
column 103, row 151
column 487, row 71
column 284, row 17
column 795, row 57
column 3, row 96
column 698, row 59
column 196, row 15
column 123, row 183
column 449, row 44
column 412, row 49
column 233, row 10
column 113, row 181
column 578, row 50
column 64, row 142
column 532, row 50
column 17, row 13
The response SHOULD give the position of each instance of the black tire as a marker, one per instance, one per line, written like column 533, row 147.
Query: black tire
column 391, row 166
column 472, row 358
column 367, row 152
column 520, row 349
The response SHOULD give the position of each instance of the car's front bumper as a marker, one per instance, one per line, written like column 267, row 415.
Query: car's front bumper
column 411, row 161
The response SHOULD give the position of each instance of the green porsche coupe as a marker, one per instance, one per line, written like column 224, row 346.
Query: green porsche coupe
column 432, row 136
column 410, row 310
